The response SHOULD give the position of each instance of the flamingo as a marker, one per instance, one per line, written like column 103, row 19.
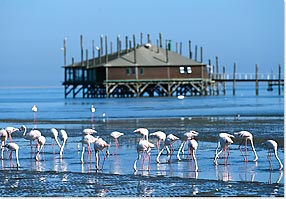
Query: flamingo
column 161, row 136
column 246, row 136
column 99, row 145
column 143, row 147
column 168, row 142
column 186, row 137
column 88, row 131
column 64, row 137
column 35, row 110
column 88, row 140
column 41, row 143
column 142, row 131
column 11, row 130
column 192, row 147
column 32, row 135
column 115, row 135
column 271, row 145
column 55, row 135
column 14, row 147
column 223, row 143
column 3, row 136
column 92, row 109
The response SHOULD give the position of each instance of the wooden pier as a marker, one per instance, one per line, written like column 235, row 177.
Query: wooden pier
column 147, row 70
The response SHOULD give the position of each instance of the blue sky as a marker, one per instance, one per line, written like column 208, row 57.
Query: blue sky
column 247, row 32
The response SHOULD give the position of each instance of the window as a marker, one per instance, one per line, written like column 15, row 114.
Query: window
column 141, row 71
column 127, row 71
column 185, row 70
column 133, row 71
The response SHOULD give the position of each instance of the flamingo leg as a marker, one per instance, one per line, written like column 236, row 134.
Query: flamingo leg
column 246, row 154
column 195, row 160
column 181, row 147
column 159, row 154
column 171, row 150
column 269, row 159
column 134, row 165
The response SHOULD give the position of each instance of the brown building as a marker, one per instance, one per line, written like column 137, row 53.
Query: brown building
column 142, row 71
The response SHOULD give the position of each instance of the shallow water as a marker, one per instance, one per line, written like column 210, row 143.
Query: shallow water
column 262, row 115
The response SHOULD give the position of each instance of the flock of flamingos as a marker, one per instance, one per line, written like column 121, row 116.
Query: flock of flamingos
column 143, row 146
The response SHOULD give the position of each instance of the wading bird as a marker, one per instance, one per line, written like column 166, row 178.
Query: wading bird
column 186, row 137
column 55, row 135
column 32, row 135
column 142, row 131
column 88, row 131
column 87, row 140
column 245, row 135
column 115, row 135
column 192, row 148
column 3, row 136
column 168, row 142
column 143, row 147
column 14, row 147
column 11, row 130
column 64, row 137
column 161, row 136
column 223, row 144
column 272, row 146
column 99, row 145
column 41, row 142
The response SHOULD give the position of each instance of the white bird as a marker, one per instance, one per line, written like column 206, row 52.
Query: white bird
column 34, row 108
column 41, row 142
column 92, row 109
column 11, row 130
column 87, row 140
column 115, row 135
column 3, row 136
column 88, row 131
column 192, row 147
column 161, row 136
column 245, row 137
column 142, row 131
column 271, row 145
column 186, row 137
column 168, row 142
column 99, row 145
column 55, row 135
column 14, row 147
column 64, row 137
column 143, row 147
column 32, row 135
column 223, row 143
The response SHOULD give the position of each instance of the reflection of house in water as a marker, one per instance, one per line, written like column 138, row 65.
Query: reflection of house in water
column 136, row 71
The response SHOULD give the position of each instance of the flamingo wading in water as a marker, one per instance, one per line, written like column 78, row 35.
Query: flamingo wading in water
column 272, row 146
column 32, row 135
column 142, row 131
column 99, row 145
column 14, row 147
column 168, row 142
column 223, row 144
column 115, row 135
column 192, row 148
column 41, row 142
column 186, row 137
column 143, row 147
column 161, row 137
column 64, row 137
column 245, row 135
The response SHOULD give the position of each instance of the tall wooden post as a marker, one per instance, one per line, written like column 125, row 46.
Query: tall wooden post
column 234, row 79
column 141, row 38
column 181, row 48
column 216, row 64
column 223, row 83
column 93, row 54
column 279, row 79
column 256, row 80
column 196, row 49
column 81, row 46
column 190, row 49
column 106, row 49
column 160, row 39
column 101, row 44
column 201, row 54
column 65, row 51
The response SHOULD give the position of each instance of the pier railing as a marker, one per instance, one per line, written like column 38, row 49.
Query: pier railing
column 248, row 77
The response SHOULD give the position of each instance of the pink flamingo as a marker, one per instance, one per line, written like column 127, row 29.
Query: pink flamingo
column 14, row 147
column 161, row 136
column 168, row 142
column 143, row 147
column 142, row 131
column 192, row 147
column 186, row 137
column 41, row 142
column 32, row 135
column 271, row 145
column 223, row 143
column 115, row 135
column 245, row 137
column 99, row 145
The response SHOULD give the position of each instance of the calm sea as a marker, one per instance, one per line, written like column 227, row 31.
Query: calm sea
column 262, row 115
